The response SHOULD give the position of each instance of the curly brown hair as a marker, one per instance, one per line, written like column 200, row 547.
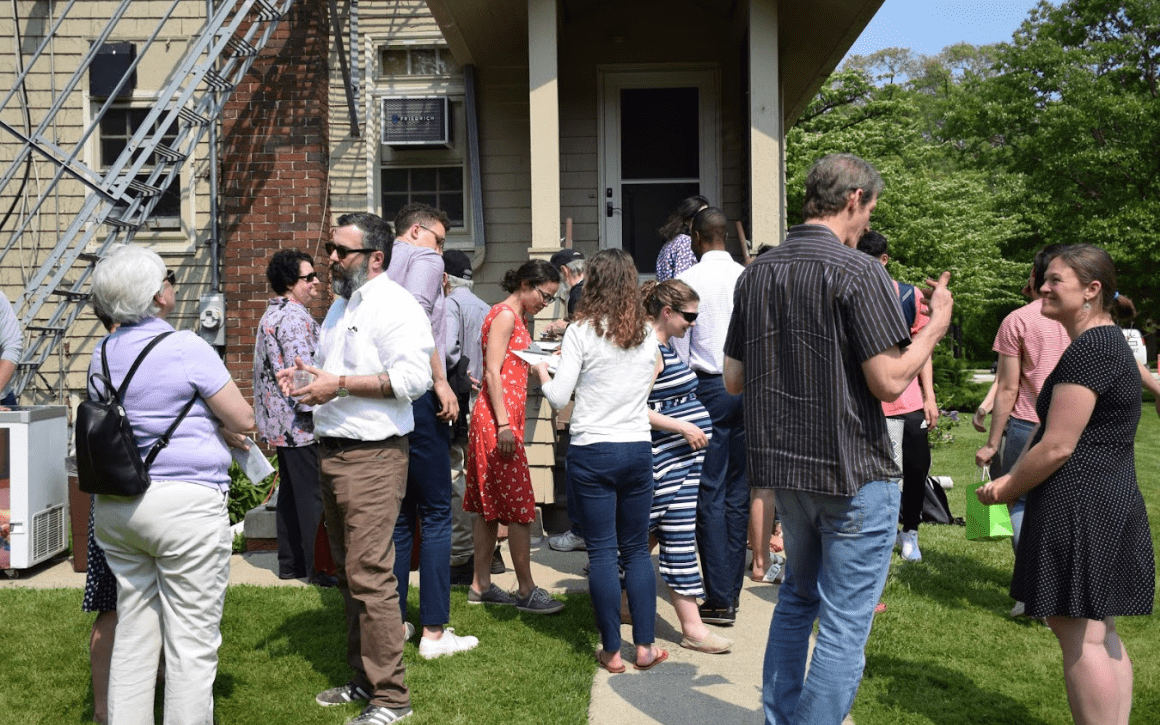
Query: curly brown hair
column 612, row 303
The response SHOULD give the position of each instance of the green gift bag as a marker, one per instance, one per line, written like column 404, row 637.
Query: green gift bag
column 987, row 523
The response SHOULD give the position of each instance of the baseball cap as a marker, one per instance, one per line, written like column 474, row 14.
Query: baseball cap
column 564, row 256
column 457, row 264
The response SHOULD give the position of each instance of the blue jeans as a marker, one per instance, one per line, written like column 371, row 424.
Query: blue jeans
column 723, row 503
column 1014, row 439
column 838, row 553
column 613, row 486
column 428, row 500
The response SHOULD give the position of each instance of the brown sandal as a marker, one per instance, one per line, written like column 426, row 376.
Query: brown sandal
column 661, row 656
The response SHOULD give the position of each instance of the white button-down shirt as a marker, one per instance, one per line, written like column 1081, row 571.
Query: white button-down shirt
column 713, row 279
column 380, row 329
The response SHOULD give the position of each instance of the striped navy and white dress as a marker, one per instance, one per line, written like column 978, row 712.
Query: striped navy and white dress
column 677, row 475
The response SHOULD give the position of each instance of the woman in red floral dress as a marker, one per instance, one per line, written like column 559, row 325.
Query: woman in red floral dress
column 499, row 485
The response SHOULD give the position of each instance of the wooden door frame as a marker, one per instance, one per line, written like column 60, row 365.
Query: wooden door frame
column 610, row 80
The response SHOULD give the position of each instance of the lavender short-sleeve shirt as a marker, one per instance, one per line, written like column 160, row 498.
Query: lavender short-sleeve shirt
column 181, row 365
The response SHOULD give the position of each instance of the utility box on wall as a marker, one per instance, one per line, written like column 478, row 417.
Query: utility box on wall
column 211, row 316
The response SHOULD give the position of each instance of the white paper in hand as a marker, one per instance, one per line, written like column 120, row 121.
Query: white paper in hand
column 535, row 358
column 252, row 462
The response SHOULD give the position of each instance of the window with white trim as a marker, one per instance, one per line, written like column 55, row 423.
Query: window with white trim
column 417, row 61
column 439, row 186
column 117, row 127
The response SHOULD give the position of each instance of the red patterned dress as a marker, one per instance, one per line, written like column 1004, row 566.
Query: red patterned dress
column 500, row 487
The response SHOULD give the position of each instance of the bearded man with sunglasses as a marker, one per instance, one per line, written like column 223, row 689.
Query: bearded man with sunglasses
column 288, row 331
column 373, row 360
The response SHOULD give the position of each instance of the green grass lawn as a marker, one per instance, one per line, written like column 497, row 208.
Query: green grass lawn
column 946, row 651
column 281, row 645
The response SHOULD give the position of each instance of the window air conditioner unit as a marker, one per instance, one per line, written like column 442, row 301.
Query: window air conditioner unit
column 416, row 121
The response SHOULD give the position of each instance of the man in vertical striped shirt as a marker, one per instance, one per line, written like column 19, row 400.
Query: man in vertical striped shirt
column 817, row 341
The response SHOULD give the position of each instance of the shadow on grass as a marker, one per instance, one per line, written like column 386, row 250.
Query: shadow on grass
column 957, row 582
column 938, row 693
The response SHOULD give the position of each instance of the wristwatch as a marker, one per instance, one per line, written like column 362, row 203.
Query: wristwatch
column 342, row 392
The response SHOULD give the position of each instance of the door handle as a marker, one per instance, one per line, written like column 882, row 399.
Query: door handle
column 609, row 209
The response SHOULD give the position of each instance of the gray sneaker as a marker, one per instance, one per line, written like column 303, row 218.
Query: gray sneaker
column 377, row 715
column 567, row 541
column 494, row 595
column 342, row 695
column 539, row 601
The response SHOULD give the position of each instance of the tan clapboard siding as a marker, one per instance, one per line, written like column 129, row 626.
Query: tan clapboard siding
column 64, row 373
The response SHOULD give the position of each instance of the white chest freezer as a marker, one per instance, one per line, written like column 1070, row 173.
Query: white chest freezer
column 33, row 485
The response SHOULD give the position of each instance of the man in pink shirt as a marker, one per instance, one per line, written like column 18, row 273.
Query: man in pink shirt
column 1029, row 346
column 910, row 417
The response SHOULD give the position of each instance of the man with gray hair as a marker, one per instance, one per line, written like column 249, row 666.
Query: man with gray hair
column 369, row 366
column 465, row 316
column 817, row 340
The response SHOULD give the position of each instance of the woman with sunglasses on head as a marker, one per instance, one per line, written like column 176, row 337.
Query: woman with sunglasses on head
column 499, row 484
column 609, row 358
column 681, row 429
column 1085, row 552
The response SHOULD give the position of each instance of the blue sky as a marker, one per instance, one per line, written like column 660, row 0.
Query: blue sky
column 928, row 26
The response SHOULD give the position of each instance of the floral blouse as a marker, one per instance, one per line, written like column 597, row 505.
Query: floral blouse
column 286, row 331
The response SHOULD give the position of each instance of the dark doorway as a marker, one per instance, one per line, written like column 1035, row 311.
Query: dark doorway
column 659, row 164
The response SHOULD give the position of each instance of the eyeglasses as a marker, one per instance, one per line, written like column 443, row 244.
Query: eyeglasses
column 341, row 251
column 544, row 295
column 170, row 277
column 689, row 316
column 438, row 239
column 310, row 277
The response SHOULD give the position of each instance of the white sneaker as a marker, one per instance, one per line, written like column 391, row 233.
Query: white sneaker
column 408, row 631
column 910, row 550
column 1018, row 610
column 448, row 644
column 775, row 572
column 567, row 541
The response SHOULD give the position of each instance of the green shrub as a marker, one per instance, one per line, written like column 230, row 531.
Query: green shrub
column 953, row 387
column 245, row 495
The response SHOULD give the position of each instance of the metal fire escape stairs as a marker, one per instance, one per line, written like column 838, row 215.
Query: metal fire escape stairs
column 120, row 199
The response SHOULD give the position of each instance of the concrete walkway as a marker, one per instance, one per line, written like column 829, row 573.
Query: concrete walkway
column 691, row 688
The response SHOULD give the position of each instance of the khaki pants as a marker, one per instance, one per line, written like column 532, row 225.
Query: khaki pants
column 363, row 483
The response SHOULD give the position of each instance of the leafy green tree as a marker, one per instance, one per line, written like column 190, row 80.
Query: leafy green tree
column 937, row 214
column 1073, row 106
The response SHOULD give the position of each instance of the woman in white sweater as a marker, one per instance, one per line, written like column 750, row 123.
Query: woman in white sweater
column 609, row 357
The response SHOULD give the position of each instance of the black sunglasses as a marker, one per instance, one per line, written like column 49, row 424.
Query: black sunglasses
column 332, row 248
column 309, row 277
column 689, row 316
column 170, row 277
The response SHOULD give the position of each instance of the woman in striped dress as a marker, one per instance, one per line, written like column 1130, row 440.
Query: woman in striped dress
column 681, row 428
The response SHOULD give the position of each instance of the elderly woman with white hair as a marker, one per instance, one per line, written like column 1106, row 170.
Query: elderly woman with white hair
column 168, row 548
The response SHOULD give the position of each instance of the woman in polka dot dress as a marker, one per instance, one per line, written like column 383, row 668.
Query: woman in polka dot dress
column 499, row 485
column 1085, row 554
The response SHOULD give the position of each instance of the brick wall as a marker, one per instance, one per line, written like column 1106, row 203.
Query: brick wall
column 273, row 175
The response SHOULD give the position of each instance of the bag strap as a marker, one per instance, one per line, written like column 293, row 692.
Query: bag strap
column 163, row 441
column 136, row 363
